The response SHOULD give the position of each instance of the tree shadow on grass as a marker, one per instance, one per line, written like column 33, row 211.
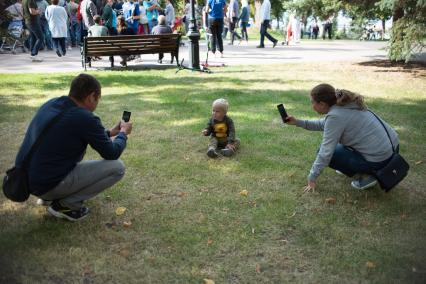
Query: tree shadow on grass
column 416, row 68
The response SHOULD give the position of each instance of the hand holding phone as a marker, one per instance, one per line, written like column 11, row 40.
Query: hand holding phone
column 126, row 116
column 283, row 113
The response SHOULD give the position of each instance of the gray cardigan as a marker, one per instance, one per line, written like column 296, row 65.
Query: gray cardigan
column 350, row 126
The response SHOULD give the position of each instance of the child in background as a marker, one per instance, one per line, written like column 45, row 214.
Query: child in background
column 221, row 130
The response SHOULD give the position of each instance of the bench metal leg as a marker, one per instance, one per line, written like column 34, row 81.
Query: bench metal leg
column 111, row 59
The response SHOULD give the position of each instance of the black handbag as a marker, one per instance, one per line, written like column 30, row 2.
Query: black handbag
column 15, row 182
column 396, row 169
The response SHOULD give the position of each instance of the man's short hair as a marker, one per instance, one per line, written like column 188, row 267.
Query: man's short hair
column 83, row 85
column 161, row 20
column 55, row 2
column 97, row 19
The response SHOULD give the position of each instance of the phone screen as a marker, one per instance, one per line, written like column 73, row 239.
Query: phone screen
column 283, row 113
column 126, row 116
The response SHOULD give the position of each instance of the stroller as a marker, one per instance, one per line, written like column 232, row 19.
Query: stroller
column 15, row 38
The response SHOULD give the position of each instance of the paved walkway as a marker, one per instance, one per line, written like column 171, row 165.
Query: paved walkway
column 244, row 54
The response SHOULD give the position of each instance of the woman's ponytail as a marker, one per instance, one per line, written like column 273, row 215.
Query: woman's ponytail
column 345, row 97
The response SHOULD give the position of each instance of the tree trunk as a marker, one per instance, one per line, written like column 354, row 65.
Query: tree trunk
column 383, row 28
column 398, row 11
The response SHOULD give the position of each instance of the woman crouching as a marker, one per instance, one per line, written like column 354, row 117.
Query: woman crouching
column 354, row 142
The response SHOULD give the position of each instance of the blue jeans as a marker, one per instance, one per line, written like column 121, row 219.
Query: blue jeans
column 351, row 162
column 74, row 33
column 216, row 29
column 36, row 37
column 59, row 45
column 47, row 42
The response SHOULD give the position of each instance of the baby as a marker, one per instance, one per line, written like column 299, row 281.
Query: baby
column 221, row 130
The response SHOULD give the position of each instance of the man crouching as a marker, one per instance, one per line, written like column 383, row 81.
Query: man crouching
column 56, row 171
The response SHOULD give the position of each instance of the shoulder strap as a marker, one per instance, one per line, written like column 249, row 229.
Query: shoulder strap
column 43, row 134
column 381, row 122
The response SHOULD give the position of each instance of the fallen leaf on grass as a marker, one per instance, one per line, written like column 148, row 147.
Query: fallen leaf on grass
column 127, row 224
column 419, row 162
column 403, row 216
column 244, row 192
column 258, row 268
column 208, row 281
column 182, row 194
column 292, row 215
column 331, row 200
column 252, row 230
column 284, row 241
column 124, row 253
column 370, row 264
column 120, row 211
column 209, row 242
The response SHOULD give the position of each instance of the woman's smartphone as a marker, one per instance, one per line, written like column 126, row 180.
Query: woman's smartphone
column 283, row 113
column 126, row 116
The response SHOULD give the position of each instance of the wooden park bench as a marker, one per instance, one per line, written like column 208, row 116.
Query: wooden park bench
column 126, row 45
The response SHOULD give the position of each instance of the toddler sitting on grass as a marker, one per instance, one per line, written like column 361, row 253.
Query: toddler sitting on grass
column 221, row 130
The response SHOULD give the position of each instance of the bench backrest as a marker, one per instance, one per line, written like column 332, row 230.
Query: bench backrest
column 131, row 44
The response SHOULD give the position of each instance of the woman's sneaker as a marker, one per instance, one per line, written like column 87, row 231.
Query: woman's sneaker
column 43, row 202
column 364, row 182
column 57, row 210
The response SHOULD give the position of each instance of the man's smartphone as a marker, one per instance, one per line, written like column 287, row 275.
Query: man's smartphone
column 283, row 113
column 126, row 116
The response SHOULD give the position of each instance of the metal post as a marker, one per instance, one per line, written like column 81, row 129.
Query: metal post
column 194, row 37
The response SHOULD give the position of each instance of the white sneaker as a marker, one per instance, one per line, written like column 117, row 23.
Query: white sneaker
column 364, row 182
column 69, row 48
column 43, row 202
column 339, row 173
column 35, row 58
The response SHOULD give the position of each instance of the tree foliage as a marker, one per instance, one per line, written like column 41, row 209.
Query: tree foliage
column 409, row 28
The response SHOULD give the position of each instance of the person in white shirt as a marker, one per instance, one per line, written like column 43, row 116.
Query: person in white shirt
column 57, row 18
column 265, row 17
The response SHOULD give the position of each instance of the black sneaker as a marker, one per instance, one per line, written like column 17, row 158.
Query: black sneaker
column 275, row 43
column 260, row 46
column 57, row 210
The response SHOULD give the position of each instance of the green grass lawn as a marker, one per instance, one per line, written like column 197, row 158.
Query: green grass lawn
column 189, row 221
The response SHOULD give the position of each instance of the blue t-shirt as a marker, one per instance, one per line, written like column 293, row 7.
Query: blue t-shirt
column 216, row 8
column 114, row 19
column 150, row 14
column 64, row 144
column 131, row 10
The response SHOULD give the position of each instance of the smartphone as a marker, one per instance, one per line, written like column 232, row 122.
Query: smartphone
column 126, row 116
column 283, row 113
